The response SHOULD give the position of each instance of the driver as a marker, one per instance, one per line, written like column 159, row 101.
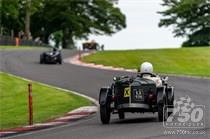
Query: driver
column 146, row 69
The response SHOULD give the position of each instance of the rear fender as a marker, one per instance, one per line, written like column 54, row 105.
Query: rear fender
column 161, row 95
column 105, row 95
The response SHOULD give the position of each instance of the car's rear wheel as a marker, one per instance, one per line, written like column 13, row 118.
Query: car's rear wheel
column 121, row 114
column 171, row 107
column 162, row 111
column 41, row 60
column 60, row 60
column 171, row 102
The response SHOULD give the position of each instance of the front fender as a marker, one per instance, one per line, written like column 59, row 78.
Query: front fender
column 105, row 95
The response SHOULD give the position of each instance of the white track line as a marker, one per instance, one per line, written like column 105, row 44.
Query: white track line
column 86, row 109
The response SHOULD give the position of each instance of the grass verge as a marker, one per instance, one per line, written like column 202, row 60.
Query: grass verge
column 182, row 61
column 48, row 102
column 19, row 47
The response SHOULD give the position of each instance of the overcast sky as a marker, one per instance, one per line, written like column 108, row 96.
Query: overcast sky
column 142, row 28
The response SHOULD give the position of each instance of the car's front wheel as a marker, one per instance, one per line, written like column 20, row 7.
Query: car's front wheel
column 105, row 113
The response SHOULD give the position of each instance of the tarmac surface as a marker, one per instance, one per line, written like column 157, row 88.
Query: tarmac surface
column 88, row 81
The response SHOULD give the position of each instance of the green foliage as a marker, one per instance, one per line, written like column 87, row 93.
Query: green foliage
column 76, row 19
column 9, row 14
column 190, row 18
column 58, row 37
column 13, row 14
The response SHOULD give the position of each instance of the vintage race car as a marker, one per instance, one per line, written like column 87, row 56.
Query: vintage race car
column 136, row 94
column 54, row 57
column 90, row 45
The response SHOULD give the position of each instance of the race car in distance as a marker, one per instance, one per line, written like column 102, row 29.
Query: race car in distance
column 53, row 57
column 92, row 45
column 137, row 94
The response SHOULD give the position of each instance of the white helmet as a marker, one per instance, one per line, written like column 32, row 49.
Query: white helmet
column 146, row 67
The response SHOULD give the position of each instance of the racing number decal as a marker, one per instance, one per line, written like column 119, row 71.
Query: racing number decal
column 127, row 92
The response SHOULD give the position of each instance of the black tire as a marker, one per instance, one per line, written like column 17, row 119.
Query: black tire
column 162, row 112
column 171, row 105
column 105, row 114
column 41, row 60
column 121, row 115
column 60, row 60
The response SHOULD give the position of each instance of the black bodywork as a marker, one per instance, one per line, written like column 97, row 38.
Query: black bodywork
column 135, row 94
column 51, row 57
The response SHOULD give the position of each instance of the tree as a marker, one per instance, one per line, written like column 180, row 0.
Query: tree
column 28, row 8
column 78, row 19
column 9, row 16
column 58, row 35
column 72, row 19
column 15, row 15
column 190, row 18
column 27, row 18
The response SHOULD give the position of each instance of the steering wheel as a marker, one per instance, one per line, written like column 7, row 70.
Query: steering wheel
column 147, row 73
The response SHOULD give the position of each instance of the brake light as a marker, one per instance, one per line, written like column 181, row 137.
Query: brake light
column 113, row 98
column 151, row 98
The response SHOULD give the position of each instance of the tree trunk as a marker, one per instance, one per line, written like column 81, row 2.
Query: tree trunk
column 12, row 33
column 67, row 41
column 45, row 38
column 27, row 19
column 1, row 30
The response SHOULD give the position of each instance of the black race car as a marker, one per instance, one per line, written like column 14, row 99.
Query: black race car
column 53, row 57
column 136, row 94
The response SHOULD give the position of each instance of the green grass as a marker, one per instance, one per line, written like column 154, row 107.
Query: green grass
column 182, row 61
column 48, row 102
column 18, row 47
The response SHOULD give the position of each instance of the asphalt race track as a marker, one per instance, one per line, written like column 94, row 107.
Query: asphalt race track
column 88, row 81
